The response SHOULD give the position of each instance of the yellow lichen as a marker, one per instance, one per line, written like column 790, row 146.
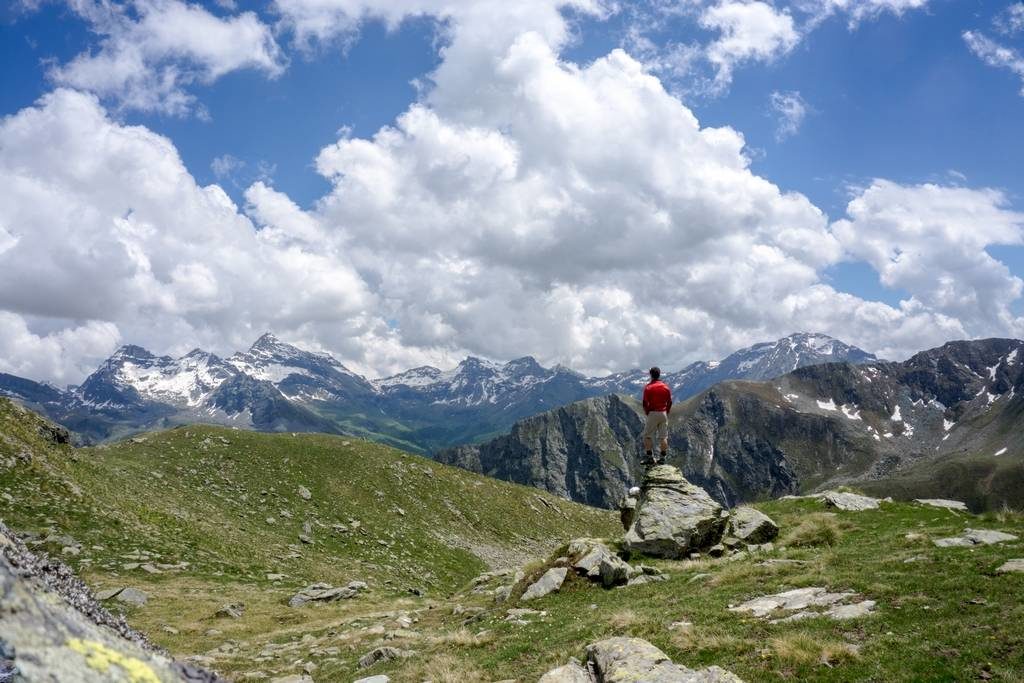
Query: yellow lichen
column 100, row 657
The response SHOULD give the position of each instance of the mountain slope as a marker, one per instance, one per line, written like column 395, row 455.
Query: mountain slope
column 197, row 517
column 877, row 425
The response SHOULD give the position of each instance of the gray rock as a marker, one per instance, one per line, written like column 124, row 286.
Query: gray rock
column 627, row 511
column 973, row 537
column 233, row 610
column 613, row 571
column 381, row 678
column 857, row 609
column 851, row 502
column 570, row 673
column 792, row 600
column 132, row 596
column 632, row 660
column 551, row 581
column 1016, row 565
column 304, row 493
column 752, row 526
column 943, row 503
column 324, row 592
column 383, row 654
column 674, row 518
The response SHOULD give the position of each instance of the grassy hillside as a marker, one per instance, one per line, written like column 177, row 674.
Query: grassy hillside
column 228, row 504
column 187, row 496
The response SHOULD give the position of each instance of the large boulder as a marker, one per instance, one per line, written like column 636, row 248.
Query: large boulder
column 674, row 518
column 752, row 526
column 570, row 673
column 550, row 582
column 851, row 502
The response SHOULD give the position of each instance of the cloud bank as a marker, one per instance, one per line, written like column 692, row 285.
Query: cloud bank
column 525, row 205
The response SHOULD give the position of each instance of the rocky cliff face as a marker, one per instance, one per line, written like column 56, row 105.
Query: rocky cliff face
column 587, row 451
column 819, row 425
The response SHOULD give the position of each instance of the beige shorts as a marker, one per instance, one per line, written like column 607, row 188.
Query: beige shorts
column 657, row 426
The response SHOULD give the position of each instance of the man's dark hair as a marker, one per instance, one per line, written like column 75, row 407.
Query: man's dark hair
column 655, row 372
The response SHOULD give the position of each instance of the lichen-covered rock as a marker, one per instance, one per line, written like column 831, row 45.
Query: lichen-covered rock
column 752, row 526
column 674, row 518
column 55, row 630
column 633, row 660
column 550, row 582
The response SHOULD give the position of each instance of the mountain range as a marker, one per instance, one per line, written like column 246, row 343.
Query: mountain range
column 275, row 386
column 946, row 422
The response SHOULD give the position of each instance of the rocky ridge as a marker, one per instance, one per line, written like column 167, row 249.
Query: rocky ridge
column 955, row 408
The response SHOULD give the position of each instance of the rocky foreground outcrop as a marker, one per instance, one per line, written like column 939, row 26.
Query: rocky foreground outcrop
column 53, row 629
column 674, row 519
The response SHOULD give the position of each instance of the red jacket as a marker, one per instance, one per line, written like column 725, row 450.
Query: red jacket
column 657, row 397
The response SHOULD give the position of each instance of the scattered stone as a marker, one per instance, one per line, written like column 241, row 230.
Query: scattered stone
column 304, row 493
column 305, row 539
column 851, row 502
column 973, row 537
column 752, row 526
column 381, row 678
column 716, row 550
column 570, row 673
column 275, row 577
column 232, row 610
column 324, row 592
column 957, row 505
column 674, row 518
column 109, row 593
column 1011, row 566
column 383, row 654
column 132, row 596
column 551, row 581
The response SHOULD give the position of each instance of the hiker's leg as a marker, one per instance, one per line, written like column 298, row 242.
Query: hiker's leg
column 648, row 444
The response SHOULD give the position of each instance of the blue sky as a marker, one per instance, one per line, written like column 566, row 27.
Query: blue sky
column 894, row 94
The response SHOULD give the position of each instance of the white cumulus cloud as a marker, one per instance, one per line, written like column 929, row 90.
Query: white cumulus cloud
column 152, row 50
column 790, row 110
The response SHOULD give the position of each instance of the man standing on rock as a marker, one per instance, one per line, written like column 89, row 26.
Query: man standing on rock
column 657, row 406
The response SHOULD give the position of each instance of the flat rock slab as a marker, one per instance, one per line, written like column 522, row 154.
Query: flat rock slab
column 837, row 612
column 851, row 502
column 1011, row 566
column 550, row 582
column 797, row 599
column 800, row 600
column 957, row 505
column 973, row 537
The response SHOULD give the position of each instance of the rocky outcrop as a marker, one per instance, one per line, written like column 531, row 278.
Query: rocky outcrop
column 633, row 660
column 674, row 518
column 55, row 630
column 850, row 502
